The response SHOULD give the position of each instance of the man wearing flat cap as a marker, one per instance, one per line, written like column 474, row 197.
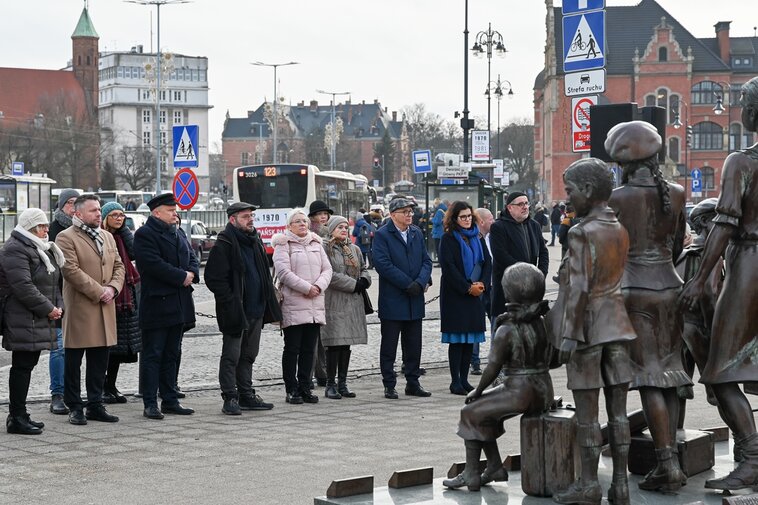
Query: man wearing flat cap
column 168, row 268
column 238, row 275
column 514, row 238
column 404, row 269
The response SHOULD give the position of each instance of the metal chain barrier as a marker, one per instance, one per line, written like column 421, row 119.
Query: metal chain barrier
column 209, row 316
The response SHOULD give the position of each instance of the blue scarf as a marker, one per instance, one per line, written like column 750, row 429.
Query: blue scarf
column 471, row 252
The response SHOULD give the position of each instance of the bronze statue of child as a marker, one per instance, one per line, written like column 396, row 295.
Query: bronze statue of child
column 521, row 349
column 594, row 329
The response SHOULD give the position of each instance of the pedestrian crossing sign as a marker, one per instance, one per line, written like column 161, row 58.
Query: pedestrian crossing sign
column 185, row 145
column 584, row 41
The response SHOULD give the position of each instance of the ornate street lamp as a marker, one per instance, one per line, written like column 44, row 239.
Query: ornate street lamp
column 335, row 128
column 275, row 119
column 498, row 91
column 486, row 42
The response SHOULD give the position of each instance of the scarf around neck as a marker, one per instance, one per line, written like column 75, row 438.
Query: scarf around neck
column 471, row 251
column 94, row 233
column 309, row 237
column 62, row 218
column 352, row 265
column 42, row 247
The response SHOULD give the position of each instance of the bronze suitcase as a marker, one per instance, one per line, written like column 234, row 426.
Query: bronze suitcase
column 696, row 452
column 547, row 452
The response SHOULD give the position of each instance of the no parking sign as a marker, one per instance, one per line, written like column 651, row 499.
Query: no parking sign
column 186, row 188
column 580, row 123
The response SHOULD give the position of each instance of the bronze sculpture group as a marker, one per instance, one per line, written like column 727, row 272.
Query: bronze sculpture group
column 622, row 318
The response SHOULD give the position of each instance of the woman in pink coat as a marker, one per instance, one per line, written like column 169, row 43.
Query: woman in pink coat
column 304, row 272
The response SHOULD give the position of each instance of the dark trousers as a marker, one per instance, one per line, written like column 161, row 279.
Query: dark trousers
column 160, row 348
column 554, row 228
column 238, row 353
column 97, row 364
column 319, row 360
column 409, row 332
column 297, row 358
column 22, row 364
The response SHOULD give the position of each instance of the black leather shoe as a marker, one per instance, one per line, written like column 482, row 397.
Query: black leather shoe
column 57, row 406
column 100, row 414
column 152, row 412
column 390, row 393
column 419, row 391
column 36, row 424
column 22, row 425
column 176, row 408
column 179, row 393
column 254, row 402
column 294, row 398
column 77, row 417
column 321, row 381
column 113, row 396
column 308, row 397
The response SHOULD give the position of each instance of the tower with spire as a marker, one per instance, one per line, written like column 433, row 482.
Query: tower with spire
column 85, row 59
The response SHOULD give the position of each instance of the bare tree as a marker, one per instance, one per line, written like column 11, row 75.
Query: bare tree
column 135, row 166
column 428, row 130
column 517, row 143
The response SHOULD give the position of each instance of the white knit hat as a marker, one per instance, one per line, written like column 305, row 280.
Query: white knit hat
column 31, row 218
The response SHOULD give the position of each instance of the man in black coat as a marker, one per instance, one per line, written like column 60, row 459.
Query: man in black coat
column 167, row 268
column 514, row 238
column 238, row 275
column 555, row 221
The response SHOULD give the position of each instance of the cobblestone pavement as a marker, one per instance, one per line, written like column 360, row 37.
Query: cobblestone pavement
column 288, row 455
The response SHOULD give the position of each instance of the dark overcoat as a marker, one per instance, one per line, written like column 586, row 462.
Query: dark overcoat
column 512, row 242
column 459, row 311
column 225, row 277
column 30, row 294
column 163, row 260
column 398, row 264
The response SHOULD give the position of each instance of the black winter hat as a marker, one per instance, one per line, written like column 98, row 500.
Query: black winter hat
column 319, row 206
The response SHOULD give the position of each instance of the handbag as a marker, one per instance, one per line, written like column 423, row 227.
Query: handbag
column 367, row 307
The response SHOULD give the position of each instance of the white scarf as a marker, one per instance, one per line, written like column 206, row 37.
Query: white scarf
column 42, row 246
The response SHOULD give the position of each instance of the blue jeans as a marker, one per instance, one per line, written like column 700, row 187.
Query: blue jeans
column 56, row 365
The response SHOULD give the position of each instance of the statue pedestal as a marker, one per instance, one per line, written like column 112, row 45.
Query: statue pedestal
column 511, row 493
column 696, row 452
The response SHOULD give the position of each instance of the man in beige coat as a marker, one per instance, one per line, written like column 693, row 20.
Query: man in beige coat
column 93, row 275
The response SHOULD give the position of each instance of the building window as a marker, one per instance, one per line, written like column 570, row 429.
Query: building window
column 663, row 97
column 163, row 138
column 747, row 139
column 244, row 158
column 673, row 108
column 177, row 96
column 164, row 163
column 707, row 136
column 163, row 117
column 674, row 149
column 146, row 94
column 663, row 54
column 163, row 96
column 146, row 115
column 177, row 117
column 650, row 101
column 709, row 178
column 735, row 135
column 706, row 93
column 145, row 138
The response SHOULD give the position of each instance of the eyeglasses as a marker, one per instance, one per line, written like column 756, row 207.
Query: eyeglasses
column 117, row 216
column 404, row 212
column 521, row 204
column 465, row 216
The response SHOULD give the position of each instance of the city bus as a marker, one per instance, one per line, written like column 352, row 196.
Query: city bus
column 278, row 188
column 122, row 197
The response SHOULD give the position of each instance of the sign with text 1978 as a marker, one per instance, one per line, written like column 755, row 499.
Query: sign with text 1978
column 480, row 145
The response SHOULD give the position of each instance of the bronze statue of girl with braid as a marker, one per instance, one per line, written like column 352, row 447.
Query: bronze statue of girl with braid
column 652, row 211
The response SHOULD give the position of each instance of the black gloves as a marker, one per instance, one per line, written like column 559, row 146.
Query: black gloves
column 414, row 289
column 361, row 285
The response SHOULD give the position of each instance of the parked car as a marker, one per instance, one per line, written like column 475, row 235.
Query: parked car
column 134, row 220
column 202, row 240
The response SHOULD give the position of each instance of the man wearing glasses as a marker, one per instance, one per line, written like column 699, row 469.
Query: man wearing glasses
column 514, row 238
column 405, row 270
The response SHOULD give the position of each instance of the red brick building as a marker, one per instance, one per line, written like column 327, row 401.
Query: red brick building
column 651, row 59
column 30, row 97
column 248, row 140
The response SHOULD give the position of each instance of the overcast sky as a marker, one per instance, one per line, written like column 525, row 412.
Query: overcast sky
column 398, row 51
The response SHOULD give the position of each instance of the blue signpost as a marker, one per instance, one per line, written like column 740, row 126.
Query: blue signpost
column 697, row 182
column 185, row 146
column 584, row 41
column 422, row 161
column 17, row 168
column 574, row 6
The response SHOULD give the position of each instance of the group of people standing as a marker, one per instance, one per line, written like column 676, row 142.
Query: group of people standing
column 81, row 294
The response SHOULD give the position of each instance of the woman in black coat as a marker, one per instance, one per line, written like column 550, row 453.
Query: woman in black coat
column 31, row 304
column 466, row 270
column 129, row 341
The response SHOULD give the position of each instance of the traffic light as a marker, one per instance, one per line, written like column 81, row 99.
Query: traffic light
column 689, row 136
column 376, row 163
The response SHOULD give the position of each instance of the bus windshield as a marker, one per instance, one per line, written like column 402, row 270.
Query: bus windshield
column 273, row 186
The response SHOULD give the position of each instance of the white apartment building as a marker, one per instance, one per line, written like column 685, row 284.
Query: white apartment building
column 127, row 108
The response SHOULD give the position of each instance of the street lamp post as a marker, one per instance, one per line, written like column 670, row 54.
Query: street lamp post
column 333, row 154
column 275, row 121
column 688, row 137
column 485, row 41
column 498, row 91
column 158, row 64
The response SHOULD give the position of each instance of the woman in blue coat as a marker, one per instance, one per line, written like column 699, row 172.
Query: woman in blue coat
column 465, row 264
